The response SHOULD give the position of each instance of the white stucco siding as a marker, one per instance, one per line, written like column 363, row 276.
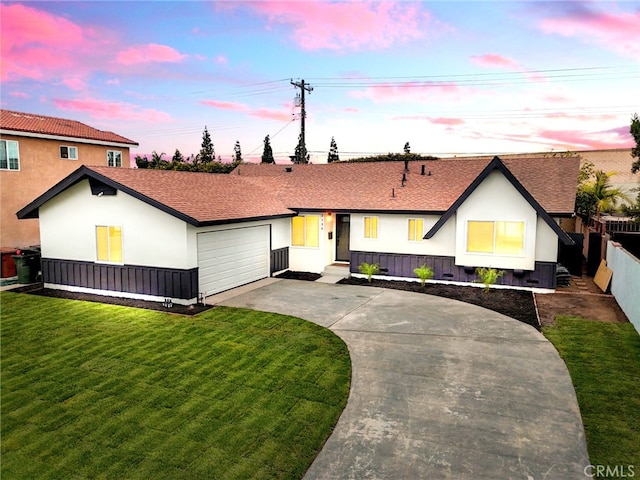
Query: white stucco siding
column 150, row 236
column 546, row 243
column 496, row 199
column 312, row 259
column 393, row 235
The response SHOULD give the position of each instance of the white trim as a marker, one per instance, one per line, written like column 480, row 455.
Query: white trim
column 112, row 293
column 67, row 139
column 69, row 147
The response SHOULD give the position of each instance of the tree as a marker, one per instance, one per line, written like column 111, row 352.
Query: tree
column 599, row 195
column 237, row 153
column 177, row 157
column 207, row 153
column 634, row 130
column 267, row 154
column 407, row 149
column 333, row 152
column 301, row 155
column 142, row 162
column 157, row 161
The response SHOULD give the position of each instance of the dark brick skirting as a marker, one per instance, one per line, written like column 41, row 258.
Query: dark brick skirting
column 279, row 259
column 402, row 265
column 157, row 281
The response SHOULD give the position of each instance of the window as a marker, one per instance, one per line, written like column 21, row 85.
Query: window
column 114, row 158
column 70, row 153
column 500, row 238
column 305, row 231
column 109, row 244
column 415, row 229
column 370, row 227
column 9, row 156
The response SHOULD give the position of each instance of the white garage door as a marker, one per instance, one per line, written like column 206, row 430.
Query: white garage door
column 230, row 258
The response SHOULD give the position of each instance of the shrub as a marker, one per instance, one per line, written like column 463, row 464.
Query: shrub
column 369, row 269
column 488, row 276
column 424, row 273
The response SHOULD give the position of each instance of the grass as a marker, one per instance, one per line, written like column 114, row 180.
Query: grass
column 103, row 391
column 604, row 362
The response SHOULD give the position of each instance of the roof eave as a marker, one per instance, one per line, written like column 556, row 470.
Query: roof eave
column 68, row 138
column 209, row 223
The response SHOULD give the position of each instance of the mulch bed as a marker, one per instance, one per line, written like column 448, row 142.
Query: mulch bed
column 126, row 302
column 518, row 304
column 310, row 277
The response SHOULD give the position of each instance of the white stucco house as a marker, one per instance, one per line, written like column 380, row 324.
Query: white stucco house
column 154, row 234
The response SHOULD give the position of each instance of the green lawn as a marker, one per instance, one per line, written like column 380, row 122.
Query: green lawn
column 604, row 362
column 103, row 391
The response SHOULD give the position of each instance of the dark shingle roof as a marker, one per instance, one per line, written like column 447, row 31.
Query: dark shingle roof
column 44, row 125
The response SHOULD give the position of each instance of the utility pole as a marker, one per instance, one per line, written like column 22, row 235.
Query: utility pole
column 302, row 145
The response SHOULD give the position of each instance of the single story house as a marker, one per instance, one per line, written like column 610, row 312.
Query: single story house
column 155, row 234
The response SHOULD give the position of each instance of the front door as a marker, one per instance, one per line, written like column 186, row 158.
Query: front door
column 343, row 222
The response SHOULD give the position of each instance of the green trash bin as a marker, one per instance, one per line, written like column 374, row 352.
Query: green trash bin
column 24, row 267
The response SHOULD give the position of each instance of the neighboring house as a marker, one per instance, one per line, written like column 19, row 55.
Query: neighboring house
column 164, row 234
column 37, row 151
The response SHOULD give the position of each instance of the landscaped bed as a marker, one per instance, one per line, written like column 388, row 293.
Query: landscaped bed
column 518, row 304
column 102, row 391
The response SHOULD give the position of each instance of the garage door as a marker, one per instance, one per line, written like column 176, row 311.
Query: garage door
column 230, row 258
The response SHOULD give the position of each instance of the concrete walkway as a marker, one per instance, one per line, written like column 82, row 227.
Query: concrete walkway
column 440, row 389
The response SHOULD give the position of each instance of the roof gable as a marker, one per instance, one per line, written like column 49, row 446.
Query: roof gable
column 497, row 164
column 199, row 199
column 42, row 125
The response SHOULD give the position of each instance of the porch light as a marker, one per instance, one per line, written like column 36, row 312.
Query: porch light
column 329, row 217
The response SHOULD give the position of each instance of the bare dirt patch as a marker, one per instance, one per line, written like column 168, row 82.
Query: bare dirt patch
column 587, row 305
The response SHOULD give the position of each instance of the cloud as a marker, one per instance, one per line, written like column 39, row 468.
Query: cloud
column 412, row 91
column 613, row 31
column 492, row 60
column 19, row 95
column 222, row 60
column 27, row 38
column 112, row 110
column 352, row 25
column 267, row 113
column 149, row 53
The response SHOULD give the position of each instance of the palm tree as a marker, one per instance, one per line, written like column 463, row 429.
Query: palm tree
column 604, row 196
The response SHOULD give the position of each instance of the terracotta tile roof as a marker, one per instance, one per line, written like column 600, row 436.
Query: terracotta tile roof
column 41, row 124
column 204, row 197
column 378, row 186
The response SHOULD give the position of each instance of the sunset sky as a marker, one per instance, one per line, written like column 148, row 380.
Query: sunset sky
column 450, row 78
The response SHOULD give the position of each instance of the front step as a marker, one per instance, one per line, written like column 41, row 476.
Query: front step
column 334, row 273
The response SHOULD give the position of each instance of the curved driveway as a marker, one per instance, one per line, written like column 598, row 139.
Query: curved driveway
column 440, row 389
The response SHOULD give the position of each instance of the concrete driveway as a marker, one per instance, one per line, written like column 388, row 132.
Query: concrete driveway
column 440, row 389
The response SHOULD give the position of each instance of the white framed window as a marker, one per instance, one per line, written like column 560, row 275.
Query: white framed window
column 68, row 153
column 416, row 226
column 495, row 237
column 305, row 231
column 109, row 244
column 9, row 155
column 114, row 158
column 370, row 227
